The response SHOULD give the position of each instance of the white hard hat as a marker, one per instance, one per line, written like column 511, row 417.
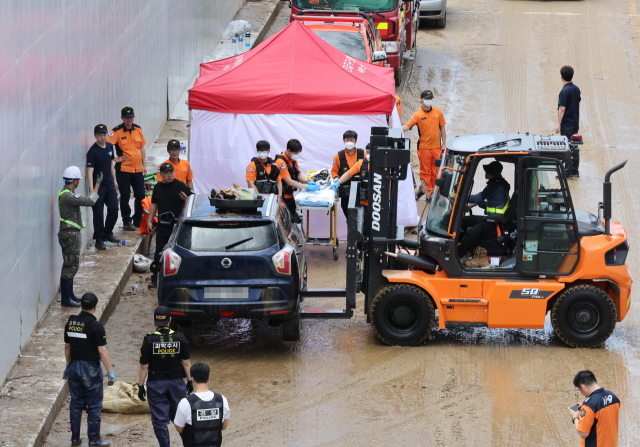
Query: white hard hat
column 72, row 172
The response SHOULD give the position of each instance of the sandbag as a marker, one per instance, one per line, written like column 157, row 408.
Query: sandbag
column 141, row 264
column 122, row 397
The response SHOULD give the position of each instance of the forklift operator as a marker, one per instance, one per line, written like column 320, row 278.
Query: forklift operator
column 494, row 198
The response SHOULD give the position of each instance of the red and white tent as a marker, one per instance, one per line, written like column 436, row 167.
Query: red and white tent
column 293, row 85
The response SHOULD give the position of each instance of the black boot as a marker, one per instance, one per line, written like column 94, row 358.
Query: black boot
column 65, row 299
column 71, row 294
column 75, row 433
column 93, row 431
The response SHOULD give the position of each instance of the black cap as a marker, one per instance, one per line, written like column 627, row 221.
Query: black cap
column 164, row 167
column 89, row 300
column 173, row 143
column 426, row 94
column 494, row 168
column 127, row 112
column 161, row 316
column 100, row 128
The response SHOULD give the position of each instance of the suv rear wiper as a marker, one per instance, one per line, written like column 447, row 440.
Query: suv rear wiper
column 235, row 244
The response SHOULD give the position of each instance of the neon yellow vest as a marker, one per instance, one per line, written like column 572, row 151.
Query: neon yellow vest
column 68, row 222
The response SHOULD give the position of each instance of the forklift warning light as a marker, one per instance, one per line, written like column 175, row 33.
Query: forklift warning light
column 576, row 137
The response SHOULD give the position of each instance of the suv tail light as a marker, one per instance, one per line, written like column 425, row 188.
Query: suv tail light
column 171, row 262
column 282, row 260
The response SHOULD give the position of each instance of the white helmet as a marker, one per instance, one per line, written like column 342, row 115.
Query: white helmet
column 72, row 172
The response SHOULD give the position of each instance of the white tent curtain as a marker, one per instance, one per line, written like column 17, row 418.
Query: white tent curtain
column 223, row 144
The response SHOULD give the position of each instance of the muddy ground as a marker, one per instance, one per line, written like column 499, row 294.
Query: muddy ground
column 495, row 67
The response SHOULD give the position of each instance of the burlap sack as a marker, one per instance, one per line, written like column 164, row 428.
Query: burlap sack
column 122, row 397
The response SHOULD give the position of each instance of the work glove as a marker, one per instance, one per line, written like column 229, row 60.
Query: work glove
column 310, row 182
column 99, row 179
column 189, row 387
column 335, row 185
column 112, row 378
column 142, row 393
column 313, row 187
column 64, row 374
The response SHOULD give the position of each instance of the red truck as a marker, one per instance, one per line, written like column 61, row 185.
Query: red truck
column 397, row 22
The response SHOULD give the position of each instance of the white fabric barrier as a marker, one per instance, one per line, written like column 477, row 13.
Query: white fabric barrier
column 222, row 145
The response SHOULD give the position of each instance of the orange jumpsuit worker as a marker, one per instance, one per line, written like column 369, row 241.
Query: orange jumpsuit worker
column 342, row 162
column 182, row 168
column 291, row 176
column 433, row 140
column 263, row 175
column 131, row 168
column 399, row 106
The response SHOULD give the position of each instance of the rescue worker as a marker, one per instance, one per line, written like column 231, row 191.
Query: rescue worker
column 181, row 168
column 168, row 197
column 84, row 346
column 203, row 415
column 130, row 171
column 359, row 171
column 596, row 420
column 290, row 173
column 262, row 173
column 399, row 106
column 433, row 140
column 100, row 159
column 69, row 237
column 494, row 198
column 164, row 356
column 342, row 162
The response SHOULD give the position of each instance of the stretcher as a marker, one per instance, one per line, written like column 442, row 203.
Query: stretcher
column 332, row 240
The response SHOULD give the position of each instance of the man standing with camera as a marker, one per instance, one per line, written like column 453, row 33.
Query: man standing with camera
column 596, row 419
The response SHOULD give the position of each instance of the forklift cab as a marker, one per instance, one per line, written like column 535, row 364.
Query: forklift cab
column 537, row 235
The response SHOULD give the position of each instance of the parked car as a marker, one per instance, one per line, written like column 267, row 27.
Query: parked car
column 230, row 263
column 355, row 36
column 434, row 10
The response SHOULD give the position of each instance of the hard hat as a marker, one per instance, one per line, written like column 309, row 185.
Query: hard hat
column 72, row 172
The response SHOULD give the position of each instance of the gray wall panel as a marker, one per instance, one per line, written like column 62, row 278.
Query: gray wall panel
column 65, row 66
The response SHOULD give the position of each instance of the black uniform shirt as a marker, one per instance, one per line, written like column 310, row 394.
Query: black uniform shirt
column 100, row 160
column 569, row 98
column 167, row 196
column 146, row 351
column 84, row 333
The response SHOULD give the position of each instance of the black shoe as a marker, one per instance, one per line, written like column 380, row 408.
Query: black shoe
column 128, row 227
column 136, row 223
column 569, row 177
column 576, row 174
column 112, row 239
column 154, row 282
column 100, row 245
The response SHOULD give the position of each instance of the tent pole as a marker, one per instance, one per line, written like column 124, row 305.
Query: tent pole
column 189, row 135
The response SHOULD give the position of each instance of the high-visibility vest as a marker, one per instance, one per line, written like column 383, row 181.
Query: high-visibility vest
column 68, row 222
column 499, row 211
column 146, row 204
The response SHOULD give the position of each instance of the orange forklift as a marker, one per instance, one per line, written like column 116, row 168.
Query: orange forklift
column 547, row 257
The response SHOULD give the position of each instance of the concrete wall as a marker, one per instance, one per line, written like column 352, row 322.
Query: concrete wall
column 65, row 66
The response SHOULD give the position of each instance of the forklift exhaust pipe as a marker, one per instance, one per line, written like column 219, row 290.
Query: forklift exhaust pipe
column 606, row 196
column 415, row 261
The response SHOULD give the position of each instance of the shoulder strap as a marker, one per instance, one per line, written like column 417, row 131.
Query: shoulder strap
column 360, row 154
column 218, row 398
column 255, row 161
column 192, row 399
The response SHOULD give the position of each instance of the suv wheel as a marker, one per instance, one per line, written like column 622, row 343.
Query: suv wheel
column 441, row 23
column 291, row 327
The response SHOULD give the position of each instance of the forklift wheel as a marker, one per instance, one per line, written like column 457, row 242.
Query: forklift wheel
column 291, row 328
column 402, row 315
column 584, row 316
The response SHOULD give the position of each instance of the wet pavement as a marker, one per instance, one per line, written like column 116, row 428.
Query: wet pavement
column 495, row 67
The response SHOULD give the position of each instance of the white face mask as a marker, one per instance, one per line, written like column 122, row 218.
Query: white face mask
column 263, row 155
column 428, row 102
column 294, row 156
column 349, row 145
column 368, row 156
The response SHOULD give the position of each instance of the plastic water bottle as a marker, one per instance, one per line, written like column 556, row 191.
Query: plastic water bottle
column 241, row 44
column 234, row 45
column 183, row 148
column 123, row 242
column 247, row 41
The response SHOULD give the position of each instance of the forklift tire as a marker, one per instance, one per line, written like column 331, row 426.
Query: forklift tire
column 291, row 327
column 402, row 315
column 584, row 316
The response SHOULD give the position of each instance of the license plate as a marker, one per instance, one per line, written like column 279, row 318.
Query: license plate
column 226, row 293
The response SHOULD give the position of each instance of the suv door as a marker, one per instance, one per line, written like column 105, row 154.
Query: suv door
column 548, row 241
column 292, row 234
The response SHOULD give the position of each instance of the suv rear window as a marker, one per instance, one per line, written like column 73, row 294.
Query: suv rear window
column 227, row 236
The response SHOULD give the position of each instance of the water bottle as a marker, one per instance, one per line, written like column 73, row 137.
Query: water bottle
column 234, row 45
column 240, row 44
column 183, row 148
column 247, row 41
column 123, row 242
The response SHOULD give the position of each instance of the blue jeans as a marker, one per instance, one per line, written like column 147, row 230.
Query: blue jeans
column 164, row 397
column 85, row 386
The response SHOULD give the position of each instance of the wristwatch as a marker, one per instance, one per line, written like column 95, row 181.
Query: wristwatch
column 574, row 419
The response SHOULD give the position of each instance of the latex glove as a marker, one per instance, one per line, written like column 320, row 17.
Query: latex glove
column 142, row 393
column 311, row 183
column 335, row 185
column 112, row 378
column 189, row 387
column 313, row 187
column 64, row 374
column 99, row 180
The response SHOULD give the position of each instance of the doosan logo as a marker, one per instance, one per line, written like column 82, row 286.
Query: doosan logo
column 375, row 207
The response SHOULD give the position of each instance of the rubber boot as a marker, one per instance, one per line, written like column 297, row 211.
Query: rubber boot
column 71, row 294
column 93, row 431
column 65, row 299
column 75, row 433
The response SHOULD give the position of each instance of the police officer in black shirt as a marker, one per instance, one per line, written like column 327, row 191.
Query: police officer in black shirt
column 85, row 345
column 168, row 196
column 165, row 357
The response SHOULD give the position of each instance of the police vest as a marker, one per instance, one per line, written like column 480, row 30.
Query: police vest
column 266, row 183
column 81, row 336
column 205, row 429
column 293, row 172
column 363, row 178
column 78, row 226
column 165, row 362
column 344, row 167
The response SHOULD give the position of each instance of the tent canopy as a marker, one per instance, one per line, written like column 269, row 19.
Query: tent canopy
column 294, row 72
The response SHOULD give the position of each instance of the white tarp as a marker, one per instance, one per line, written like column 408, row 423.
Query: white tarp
column 223, row 144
